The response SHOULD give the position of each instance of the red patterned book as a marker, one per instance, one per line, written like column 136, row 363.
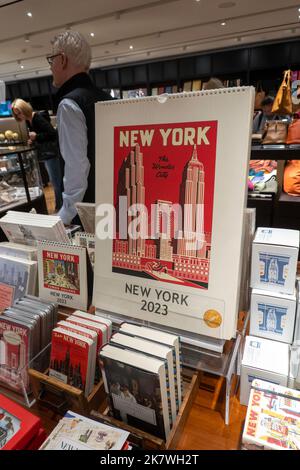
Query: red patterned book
column 71, row 359
column 18, row 427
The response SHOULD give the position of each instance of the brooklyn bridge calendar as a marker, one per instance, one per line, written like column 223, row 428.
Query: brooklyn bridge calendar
column 171, row 188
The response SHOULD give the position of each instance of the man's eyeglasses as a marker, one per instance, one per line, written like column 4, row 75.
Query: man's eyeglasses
column 50, row 58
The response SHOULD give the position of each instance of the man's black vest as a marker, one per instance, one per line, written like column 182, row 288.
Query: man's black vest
column 81, row 89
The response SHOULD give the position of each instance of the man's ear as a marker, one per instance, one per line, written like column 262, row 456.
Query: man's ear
column 65, row 60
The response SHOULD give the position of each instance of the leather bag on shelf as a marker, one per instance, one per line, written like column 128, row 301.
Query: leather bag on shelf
column 283, row 101
column 259, row 96
column 293, row 136
column 275, row 132
column 291, row 178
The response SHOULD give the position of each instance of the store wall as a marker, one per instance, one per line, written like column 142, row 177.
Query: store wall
column 247, row 64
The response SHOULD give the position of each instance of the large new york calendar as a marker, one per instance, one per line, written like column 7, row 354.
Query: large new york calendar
column 171, row 191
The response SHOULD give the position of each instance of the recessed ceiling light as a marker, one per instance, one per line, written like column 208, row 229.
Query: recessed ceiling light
column 22, row 66
column 227, row 5
column 131, row 47
column 223, row 23
column 29, row 14
column 92, row 34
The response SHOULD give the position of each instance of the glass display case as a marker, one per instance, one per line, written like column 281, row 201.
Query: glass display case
column 20, row 179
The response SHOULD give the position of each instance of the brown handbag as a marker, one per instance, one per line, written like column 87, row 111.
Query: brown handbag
column 275, row 132
column 259, row 96
column 283, row 101
column 293, row 136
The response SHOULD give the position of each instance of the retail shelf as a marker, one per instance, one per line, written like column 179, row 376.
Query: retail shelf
column 275, row 152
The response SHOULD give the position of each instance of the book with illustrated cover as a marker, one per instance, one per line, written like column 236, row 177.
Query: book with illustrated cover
column 76, row 432
column 87, row 215
column 88, row 241
column 7, row 294
column 26, row 228
column 107, row 331
column 18, row 427
column 137, row 388
column 15, row 352
column 19, row 273
column 19, row 251
column 65, row 274
column 88, row 333
column 273, row 418
column 166, row 339
column 99, row 328
column 157, row 350
column 72, row 360
column 162, row 254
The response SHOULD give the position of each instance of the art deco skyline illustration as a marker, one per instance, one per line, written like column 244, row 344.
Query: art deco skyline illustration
column 172, row 255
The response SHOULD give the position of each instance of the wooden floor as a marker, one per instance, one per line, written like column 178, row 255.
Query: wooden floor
column 50, row 198
column 205, row 428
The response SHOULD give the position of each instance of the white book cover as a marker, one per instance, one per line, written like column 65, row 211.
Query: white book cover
column 273, row 418
column 18, row 250
column 19, row 273
column 26, row 228
column 162, row 338
column 156, row 350
column 137, row 388
column 76, row 432
column 169, row 220
column 64, row 274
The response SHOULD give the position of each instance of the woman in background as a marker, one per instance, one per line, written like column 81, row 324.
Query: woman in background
column 44, row 136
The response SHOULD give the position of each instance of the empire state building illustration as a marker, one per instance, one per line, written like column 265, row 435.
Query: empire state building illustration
column 179, row 252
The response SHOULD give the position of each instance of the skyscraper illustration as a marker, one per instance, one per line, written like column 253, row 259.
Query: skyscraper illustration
column 180, row 250
column 135, row 192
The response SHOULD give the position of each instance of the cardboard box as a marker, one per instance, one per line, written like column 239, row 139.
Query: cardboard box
column 274, row 259
column 263, row 359
column 273, row 315
column 273, row 418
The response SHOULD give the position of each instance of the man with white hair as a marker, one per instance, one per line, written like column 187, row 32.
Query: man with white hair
column 76, row 98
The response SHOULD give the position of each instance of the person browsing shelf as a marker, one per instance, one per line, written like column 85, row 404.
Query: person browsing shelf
column 265, row 115
column 43, row 135
column 76, row 97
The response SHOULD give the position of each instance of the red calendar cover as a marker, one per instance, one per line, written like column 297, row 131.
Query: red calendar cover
column 17, row 426
column 166, row 169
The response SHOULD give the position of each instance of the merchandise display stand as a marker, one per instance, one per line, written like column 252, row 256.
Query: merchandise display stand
column 225, row 365
column 148, row 441
column 24, row 395
column 61, row 397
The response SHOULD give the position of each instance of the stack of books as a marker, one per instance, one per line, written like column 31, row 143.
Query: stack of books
column 76, row 343
column 75, row 432
column 19, row 429
column 142, row 375
column 27, row 228
column 18, row 272
column 25, row 331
